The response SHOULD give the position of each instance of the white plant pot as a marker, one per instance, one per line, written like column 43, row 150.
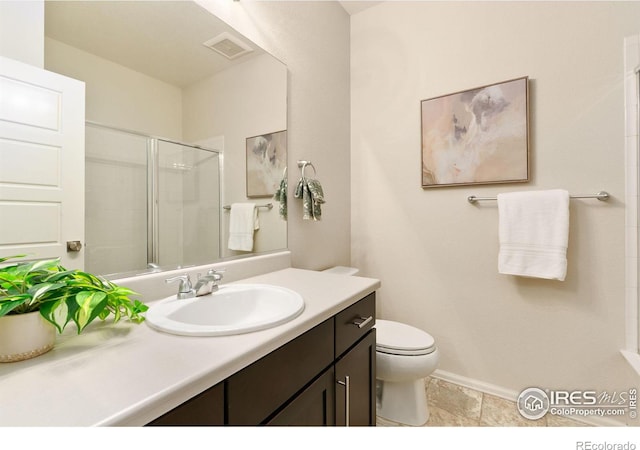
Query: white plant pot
column 24, row 336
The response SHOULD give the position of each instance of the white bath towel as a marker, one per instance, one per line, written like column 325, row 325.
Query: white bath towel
column 243, row 221
column 534, row 233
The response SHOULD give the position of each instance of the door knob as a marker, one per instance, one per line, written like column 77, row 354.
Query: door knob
column 74, row 246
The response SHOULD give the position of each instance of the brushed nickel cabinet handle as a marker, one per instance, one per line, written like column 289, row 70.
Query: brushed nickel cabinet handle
column 361, row 322
column 347, row 386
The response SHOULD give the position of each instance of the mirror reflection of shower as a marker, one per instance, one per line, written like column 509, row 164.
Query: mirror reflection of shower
column 149, row 202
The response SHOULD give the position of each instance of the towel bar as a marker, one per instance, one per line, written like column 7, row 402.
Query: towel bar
column 602, row 196
column 267, row 205
column 303, row 164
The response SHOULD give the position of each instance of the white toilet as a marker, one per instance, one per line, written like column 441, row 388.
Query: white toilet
column 405, row 356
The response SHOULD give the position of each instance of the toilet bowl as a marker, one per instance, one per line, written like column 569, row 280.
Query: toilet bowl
column 405, row 356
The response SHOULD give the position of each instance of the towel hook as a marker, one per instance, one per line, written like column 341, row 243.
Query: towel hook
column 303, row 164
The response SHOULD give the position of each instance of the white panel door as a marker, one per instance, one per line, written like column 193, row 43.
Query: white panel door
column 41, row 163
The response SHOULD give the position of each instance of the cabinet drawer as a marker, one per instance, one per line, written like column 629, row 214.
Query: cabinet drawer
column 354, row 322
column 256, row 392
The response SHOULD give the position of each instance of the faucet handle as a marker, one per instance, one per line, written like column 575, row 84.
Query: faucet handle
column 216, row 273
column 185, row 288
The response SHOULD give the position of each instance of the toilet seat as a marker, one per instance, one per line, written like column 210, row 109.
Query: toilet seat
column 395, row 338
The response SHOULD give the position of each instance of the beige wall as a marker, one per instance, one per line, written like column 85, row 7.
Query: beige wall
column 22, row 31
column 435, row 253
column 213, row 106
column 312, row 39
column 120, row 97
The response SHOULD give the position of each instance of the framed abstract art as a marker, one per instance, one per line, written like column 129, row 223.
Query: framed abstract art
column 266, row 161
column 476, row 136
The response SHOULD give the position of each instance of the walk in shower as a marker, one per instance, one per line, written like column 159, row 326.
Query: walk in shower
column 149, row 202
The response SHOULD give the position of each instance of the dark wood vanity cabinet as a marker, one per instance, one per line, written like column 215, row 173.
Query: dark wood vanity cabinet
column 358, row 367
column 205, row 409
column 355, row 363
column 314, row 406
column 326, row 376
column 344, row 394
column 258, row 392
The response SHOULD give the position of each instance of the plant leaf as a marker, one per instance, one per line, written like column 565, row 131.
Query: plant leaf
column 6, row 258
column 56, row 312
column 63, row 295
column 38, row 290
column 91, row 303
column 8, row 304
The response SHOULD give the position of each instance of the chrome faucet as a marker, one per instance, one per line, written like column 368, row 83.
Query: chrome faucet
column 185, row 289
column 208, row 283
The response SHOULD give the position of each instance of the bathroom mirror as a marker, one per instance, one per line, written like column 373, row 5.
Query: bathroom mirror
column 164, row 78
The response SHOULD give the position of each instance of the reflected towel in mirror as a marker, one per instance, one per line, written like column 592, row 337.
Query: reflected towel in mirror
column 281, row 196
column 243, row 221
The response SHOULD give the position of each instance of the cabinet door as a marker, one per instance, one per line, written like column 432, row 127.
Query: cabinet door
column 312, row 407
column 255, row 393
column 206, row 408
column 356, row 383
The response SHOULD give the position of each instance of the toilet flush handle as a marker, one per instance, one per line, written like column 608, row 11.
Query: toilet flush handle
column 362, row 322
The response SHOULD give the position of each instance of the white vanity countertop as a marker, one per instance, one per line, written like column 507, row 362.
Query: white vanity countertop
column 127, row 374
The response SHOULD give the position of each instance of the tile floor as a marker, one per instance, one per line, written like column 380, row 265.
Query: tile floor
column 452, row 405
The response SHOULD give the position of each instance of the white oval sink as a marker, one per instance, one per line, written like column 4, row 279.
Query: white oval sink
column 232, row 309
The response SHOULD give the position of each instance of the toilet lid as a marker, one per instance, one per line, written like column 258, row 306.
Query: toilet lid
column 401, row 339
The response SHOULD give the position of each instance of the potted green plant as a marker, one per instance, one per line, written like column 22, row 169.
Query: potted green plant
column 45, row 295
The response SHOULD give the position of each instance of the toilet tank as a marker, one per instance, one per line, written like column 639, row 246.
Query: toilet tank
column 342, row 270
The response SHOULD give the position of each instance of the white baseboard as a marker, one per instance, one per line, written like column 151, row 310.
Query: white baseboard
column 477, row 385
column 511, row 395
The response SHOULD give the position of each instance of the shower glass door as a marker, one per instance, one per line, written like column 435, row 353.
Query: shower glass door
column 188, row 205
column 148, row 202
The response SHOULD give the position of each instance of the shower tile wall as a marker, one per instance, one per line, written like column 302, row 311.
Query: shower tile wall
column 452, row 405
column 116, row 201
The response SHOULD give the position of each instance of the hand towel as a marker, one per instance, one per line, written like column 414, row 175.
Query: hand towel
column 533, row 229
column 317, row 197
column 310, row 191
column 243, row 221
column 281, row 196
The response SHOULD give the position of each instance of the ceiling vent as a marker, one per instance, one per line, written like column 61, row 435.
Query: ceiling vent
column 228, row 46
